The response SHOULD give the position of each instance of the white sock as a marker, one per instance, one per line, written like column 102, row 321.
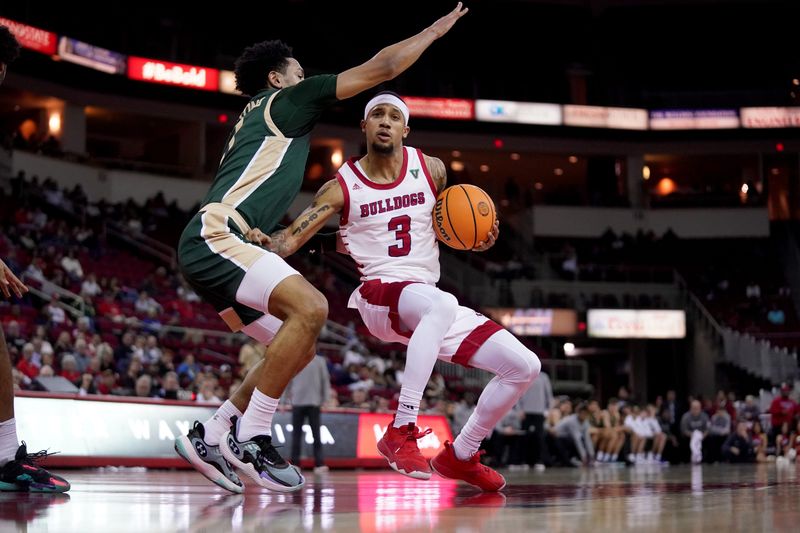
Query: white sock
column 408, row 407
column 8, row 440
column 220, row 422
column 469, row 440
column 658, row 457
column 649, row 456
column 614, row 457
column 257, row 418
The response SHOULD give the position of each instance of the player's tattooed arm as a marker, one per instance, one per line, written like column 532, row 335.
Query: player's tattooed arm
column 328, row 201
column 438, row 172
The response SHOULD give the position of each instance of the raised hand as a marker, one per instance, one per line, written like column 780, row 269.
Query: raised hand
column 443, row 25
column 10, row 283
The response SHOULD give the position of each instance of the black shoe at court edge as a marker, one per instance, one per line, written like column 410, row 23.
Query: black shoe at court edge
column 23, row 474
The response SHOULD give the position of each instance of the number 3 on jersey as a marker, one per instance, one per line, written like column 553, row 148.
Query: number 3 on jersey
column 401, row 225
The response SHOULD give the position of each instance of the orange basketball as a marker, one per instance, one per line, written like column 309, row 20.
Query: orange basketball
column 463, row 216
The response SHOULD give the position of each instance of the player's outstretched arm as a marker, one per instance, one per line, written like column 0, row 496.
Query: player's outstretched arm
column 393, row 60
column 9, row 283
column 328, row 201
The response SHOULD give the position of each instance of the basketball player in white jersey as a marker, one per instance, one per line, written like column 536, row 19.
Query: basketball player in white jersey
column 385, row 201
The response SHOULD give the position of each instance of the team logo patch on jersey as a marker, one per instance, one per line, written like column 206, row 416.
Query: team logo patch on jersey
column 356, row 187
column 415, row 172
column 483, row 208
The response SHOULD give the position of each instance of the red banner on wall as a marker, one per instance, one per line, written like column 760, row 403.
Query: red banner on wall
column 176, row 74
column 32, row 38
column 443, row 108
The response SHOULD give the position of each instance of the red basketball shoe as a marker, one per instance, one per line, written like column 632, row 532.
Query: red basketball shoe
column 446, row 464
column 399, row 447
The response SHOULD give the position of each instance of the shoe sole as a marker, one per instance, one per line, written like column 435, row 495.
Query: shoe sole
column 433, row 467
column 182, row 447
column 415, row 474
column 13, row 487
column 251, row 471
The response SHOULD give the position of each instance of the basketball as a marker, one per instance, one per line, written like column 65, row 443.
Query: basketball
column 463, row 216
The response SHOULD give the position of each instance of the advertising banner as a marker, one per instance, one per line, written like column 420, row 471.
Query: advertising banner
column 536, row 322
column 30, row 37
column 637, row 324
column 441, row 108
column 90, row 56
column 176, row 74
column 112, row 430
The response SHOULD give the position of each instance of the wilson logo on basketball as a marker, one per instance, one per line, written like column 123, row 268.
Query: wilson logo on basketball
column 483, row 208
column 438, row 219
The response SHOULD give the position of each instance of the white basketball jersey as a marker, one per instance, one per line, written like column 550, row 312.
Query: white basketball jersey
column 387, row 228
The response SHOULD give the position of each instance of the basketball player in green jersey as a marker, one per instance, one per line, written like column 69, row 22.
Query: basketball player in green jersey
column 253, row 289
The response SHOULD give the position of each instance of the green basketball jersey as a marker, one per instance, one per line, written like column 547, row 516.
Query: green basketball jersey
column 264, row 160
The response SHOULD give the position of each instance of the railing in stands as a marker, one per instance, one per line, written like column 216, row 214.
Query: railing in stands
column 72, row 303
column 754, row 355
column 143, row 243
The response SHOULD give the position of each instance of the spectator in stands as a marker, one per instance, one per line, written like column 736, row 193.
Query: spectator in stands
column 358, row 400
column 83, row 328
column 90, row 287
column 34, row 270
column 151, row 323
column 750, row 411
column 694, row 428
column 26, row 364
column 107, row 383
column 206, row 393
column 795, row 441
column 41, row 345
column 436, row 387
column 673, row 409
column 783, row 441
column 623, row 396
column 719, row 429
column 144, row 386
column 151, row 352
column 535, row 403
column 462, row 411
column 727, row 402
column 782, row 409
column 14, row 339
column 753, row 291
column 86, row 385
column 63, row 343
column 132, row 373
column 72, row 266
column 123, row 353
column 46, row 372
column 170, row 387
column 55, row 313
column 108, row 307
column 69, row 368
column 759, row 440
column 188, row 369
column 333, row 400
column 738, row 447
column 776, row 316
column 572, row 440
column 363, row 381
column 507, row 439
column 144, row 304
column 307, row 392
